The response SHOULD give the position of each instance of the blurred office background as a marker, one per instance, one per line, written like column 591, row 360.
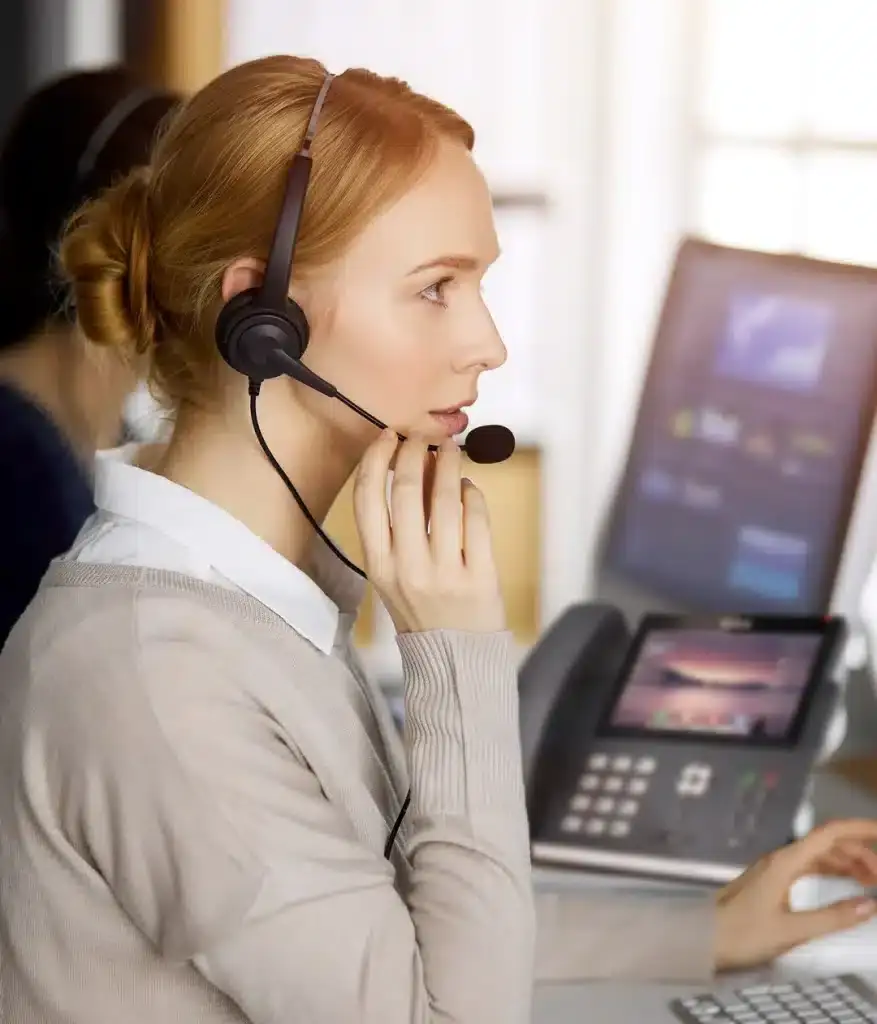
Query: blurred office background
column 608, row 129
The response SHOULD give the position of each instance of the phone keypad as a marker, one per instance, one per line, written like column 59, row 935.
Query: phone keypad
column 608, row 796
column 681, row 802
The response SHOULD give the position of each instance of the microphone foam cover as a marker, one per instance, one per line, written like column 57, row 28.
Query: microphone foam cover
column 490, row 443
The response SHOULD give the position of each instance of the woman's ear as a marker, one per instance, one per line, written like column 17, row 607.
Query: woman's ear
column 240, row 276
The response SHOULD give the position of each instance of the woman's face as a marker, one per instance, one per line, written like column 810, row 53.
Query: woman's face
column 404, row 331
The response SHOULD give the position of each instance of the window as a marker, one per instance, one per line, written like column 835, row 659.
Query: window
column 484, row 59
column 785, row 142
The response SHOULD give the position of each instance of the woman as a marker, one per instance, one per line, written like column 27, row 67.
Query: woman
column 59, row 402
column 198, row 784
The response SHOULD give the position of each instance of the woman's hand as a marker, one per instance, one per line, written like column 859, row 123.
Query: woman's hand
column 429, row 555
column 755, row 920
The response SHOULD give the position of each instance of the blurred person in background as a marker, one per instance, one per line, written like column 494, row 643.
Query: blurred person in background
column 61, row 398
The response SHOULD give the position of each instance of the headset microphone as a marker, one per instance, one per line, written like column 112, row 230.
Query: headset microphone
column 488, row 444
column 263, row 333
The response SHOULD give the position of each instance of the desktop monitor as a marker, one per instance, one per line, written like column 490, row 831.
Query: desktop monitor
column 749, row 442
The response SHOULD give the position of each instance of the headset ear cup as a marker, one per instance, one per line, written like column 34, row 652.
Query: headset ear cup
column 247, row 334
column 300, row 329
column 227, row 332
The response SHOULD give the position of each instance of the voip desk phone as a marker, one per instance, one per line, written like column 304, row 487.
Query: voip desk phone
column 683, row 752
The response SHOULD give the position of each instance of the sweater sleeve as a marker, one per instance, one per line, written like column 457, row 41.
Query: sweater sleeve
column 220, row 844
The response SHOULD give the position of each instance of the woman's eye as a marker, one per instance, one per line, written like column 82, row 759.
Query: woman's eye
column 436, row 292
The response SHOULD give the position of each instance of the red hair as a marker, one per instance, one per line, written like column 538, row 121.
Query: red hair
column 145, row 260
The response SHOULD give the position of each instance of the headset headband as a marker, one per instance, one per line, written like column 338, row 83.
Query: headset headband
column 275, row 286
column 107, row 128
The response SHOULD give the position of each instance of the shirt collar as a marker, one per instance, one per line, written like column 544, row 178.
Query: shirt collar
column 311, row 606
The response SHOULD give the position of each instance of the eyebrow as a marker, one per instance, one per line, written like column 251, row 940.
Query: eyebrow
column 457, row 262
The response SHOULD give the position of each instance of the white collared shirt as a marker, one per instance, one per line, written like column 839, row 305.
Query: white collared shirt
column 146, row 520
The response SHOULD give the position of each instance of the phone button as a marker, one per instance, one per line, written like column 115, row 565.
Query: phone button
column 605, row 805
column 694, row 780
column 571, row 823
column 598, row 762
column 614, row 784
column 590, row 782
column 619, row 829
column 580, row 802
column 621, row 764
column 628, row 808
column 645, row 766
column 637, row 786
column 595, row 827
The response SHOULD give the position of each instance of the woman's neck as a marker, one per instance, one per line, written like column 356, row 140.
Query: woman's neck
column 79, row 392
column 226, row 465
column 41, row 368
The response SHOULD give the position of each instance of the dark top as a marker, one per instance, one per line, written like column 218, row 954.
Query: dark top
column 46, row 498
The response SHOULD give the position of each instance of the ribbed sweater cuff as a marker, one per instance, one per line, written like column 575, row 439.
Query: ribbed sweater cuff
column 461, row 721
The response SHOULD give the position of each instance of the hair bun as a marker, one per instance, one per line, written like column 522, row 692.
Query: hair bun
column 105, row 257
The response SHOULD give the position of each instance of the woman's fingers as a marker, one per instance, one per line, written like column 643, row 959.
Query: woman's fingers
column 806, row 925
column 408, row 518
column 477, row 542
column 432, row 566
column 370, row 505
column 446, row 512
column 428, row 482
column 850, row 860
column 803, row 857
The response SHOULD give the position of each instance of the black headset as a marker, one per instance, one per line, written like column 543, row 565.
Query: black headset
column 262, row 332
column 106, row 129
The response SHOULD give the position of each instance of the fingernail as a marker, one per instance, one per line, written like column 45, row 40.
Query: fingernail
column 865, row 908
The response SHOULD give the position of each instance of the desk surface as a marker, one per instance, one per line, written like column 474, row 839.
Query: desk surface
column 854, row 951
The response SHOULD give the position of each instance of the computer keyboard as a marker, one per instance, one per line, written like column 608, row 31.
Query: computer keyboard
column 844, row 999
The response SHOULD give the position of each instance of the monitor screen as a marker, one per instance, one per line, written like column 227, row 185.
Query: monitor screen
column 707, row 681
column 751, row 433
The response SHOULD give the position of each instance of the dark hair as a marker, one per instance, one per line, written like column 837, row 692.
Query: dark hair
column 71, row 139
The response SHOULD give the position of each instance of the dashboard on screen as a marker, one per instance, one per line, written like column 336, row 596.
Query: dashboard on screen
column 752, row 429
column 747, row 685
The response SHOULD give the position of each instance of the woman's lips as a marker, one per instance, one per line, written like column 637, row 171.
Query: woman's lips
column 452, row 423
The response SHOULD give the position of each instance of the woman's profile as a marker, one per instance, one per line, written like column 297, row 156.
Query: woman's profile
column 200, row 789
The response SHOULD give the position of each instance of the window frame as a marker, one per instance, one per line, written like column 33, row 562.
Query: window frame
column 799, row 146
